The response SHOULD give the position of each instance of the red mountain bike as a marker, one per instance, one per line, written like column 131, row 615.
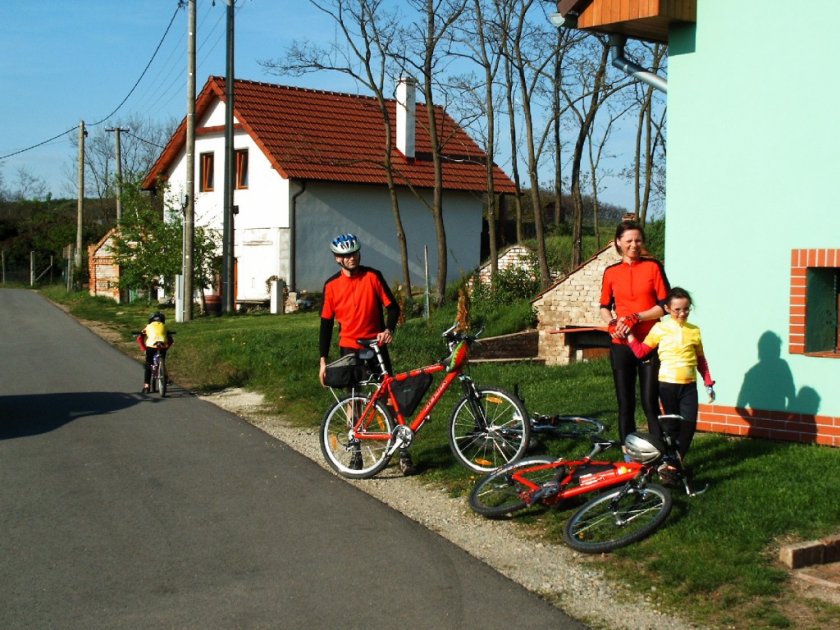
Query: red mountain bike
column 620, row 517
column 488, row 428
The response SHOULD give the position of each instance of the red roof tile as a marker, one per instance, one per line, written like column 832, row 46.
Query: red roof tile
column 330, row 136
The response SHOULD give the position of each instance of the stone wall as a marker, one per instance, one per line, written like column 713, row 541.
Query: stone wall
column 515, row 256
column 571, row 302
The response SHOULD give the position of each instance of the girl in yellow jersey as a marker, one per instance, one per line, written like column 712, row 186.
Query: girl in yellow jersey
column 681, row 356
column 153, row 334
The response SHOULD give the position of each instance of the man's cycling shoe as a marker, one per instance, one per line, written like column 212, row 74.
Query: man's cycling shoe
column 407, row 467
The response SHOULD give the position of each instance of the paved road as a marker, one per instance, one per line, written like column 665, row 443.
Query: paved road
column 124, row 511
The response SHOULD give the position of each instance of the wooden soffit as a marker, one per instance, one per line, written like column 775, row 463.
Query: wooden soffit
column 639, row 19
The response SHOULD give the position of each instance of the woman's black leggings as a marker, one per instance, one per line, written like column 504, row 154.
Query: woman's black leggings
column 625, row 368
column 681, row 400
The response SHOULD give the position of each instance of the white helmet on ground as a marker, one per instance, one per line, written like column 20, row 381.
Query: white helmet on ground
column 642, row 447
column 345, row 244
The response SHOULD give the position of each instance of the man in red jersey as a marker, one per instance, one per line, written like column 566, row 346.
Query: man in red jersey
column 356, row 297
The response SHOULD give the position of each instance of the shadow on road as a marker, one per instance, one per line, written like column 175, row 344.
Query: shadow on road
column 33, row 414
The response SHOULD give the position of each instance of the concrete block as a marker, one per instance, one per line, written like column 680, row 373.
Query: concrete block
column 831, row 549
column 802, row 554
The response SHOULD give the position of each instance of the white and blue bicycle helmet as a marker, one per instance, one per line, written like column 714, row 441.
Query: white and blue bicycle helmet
column 345, row 244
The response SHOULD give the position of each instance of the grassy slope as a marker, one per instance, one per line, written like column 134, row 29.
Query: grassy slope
column 716, row 554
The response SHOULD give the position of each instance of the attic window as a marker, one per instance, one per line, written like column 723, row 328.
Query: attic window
column 241, row 168
column 206, row 172
column 815, row 302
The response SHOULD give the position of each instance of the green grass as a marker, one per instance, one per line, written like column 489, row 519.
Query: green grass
column 716, row 556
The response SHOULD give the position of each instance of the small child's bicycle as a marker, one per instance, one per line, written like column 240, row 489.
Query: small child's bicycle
column 488, row 428
column 620, row 517
column 159, row 379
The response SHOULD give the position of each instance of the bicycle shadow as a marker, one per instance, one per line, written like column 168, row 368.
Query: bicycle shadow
column 172, row 391
column 34, row 414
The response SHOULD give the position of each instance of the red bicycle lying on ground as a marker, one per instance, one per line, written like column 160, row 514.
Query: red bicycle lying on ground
column 620, row 517
column 488, row 428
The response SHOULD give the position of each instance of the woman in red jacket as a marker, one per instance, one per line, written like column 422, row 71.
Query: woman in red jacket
column 633, row 295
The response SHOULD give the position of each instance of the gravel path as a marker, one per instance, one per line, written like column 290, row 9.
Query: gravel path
column 564, row 577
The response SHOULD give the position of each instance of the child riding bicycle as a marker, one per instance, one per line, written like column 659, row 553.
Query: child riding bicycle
column 152, row 338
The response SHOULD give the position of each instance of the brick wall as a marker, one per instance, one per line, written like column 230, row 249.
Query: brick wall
column 800, row 260
column 573, row 301
column 103, row 269
column 773, row 425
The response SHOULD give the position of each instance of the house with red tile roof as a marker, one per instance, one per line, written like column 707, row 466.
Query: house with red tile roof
column 310, row 165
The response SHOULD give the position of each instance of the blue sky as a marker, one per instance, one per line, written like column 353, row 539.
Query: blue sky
column 63, row 61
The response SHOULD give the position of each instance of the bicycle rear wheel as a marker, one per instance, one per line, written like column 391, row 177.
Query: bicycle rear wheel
column 160, row 378
column 618, row 518
column 500, row 494
column 567, row 426
column 489, row 430
column 362, row 453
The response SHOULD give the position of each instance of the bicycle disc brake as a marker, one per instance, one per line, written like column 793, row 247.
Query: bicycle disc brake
column 402, row 438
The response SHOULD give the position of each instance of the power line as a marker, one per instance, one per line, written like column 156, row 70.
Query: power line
column 74, row 127
column 40, row 144
column 136, row 83
column 149, row 142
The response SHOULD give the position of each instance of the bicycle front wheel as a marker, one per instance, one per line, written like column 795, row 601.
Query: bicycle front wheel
column 161, row 378
column 505, row 491
column 362, row 453
column 489, row 430
column 618, row 518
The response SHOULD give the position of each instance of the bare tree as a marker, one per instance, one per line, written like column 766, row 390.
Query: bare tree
column 140, row 147
column 429, row 39
column 591, row 89
column 480, row 35
column 370, row 33
column 649, row 136
column 28, row 187
column 527, row 50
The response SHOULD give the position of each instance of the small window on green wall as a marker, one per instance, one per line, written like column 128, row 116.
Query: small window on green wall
column 822, row 303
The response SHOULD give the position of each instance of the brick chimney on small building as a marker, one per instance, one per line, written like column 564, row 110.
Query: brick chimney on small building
column 406, row 115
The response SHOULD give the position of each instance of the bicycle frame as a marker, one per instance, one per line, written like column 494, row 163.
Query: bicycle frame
column 384, row 391
column 588, row 476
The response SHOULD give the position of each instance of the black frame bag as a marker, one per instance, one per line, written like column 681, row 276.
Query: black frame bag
column 343, row 372
column 410, row 392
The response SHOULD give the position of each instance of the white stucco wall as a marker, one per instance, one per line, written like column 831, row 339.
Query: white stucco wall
column 262, row 224
column 325, row 210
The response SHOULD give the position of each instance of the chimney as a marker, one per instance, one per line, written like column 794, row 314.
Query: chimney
column 406, row 115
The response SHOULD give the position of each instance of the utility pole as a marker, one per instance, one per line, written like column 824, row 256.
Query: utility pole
column 117, row 131
column 230, row 174
column 189, row 193
column 80, row 206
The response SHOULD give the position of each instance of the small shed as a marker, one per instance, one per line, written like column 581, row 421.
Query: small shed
column 572, row 304
column 513, row 257
column 103, row 268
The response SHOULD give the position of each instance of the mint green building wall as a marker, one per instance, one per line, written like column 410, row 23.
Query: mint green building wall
column 753, row 171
